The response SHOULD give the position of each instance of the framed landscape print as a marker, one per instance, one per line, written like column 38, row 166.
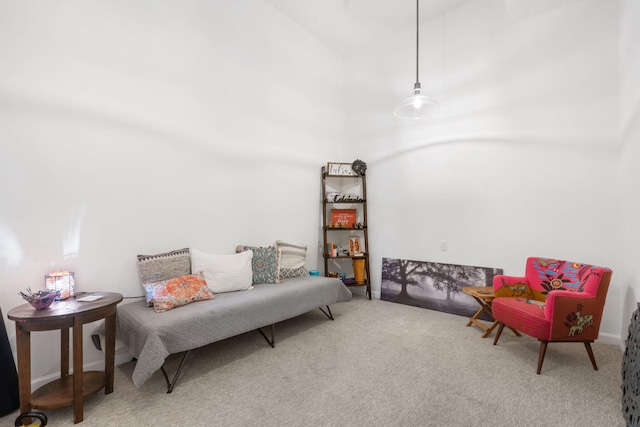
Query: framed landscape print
column 433, row 285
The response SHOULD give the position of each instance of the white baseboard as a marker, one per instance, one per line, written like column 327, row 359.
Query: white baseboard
column 363, row 291
column 611, row 339
column 121, row 357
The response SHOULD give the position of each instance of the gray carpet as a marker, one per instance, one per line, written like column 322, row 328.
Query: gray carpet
column 379, row 364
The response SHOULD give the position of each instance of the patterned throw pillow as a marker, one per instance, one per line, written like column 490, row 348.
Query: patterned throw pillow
column 264, row 264
column 165, row 266
column 291, row 260
column 151, row 290
column 177, row 292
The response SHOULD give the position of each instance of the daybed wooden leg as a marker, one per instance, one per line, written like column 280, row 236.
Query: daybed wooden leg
column 329, row 315
column 172, row 384
column 590, row 351
column 272, row 341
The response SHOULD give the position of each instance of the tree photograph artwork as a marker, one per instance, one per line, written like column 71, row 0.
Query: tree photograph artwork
column 433, row 285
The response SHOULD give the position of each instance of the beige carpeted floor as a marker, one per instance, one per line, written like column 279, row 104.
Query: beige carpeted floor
column 377, row 364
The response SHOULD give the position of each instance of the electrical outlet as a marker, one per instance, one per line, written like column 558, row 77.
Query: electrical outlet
column 443, row 245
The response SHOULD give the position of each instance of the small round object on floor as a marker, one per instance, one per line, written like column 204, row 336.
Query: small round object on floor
column 37, row 415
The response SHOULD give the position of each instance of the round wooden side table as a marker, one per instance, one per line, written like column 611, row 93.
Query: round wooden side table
column 68, row 389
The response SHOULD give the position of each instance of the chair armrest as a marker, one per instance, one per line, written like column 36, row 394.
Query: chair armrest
column 573, row 315
column 563, row 299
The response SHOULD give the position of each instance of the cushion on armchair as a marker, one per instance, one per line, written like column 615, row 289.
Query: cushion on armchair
column 525, row 315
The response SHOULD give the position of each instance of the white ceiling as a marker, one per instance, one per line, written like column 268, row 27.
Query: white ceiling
column 347, row 25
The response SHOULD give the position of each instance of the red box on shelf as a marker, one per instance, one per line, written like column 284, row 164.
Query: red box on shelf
column 343, row 217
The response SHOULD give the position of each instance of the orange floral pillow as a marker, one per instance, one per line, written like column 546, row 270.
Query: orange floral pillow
column 177, row 292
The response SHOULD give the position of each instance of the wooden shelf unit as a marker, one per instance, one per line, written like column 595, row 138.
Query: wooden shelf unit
column 341, row 235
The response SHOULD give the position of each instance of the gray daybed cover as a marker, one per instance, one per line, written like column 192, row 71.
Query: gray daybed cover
column 151, row 337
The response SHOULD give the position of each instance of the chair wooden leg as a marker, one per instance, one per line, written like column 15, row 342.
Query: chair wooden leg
column 500, row 328
column 590, row 351
column 543, row 350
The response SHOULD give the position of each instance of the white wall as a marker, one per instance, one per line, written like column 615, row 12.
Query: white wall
column 520, row 162
column 629, row 174
column 140, row 127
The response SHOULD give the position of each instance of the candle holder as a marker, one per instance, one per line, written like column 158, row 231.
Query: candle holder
column 62, row 282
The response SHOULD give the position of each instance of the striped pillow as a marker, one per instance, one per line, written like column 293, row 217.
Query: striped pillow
column 291, row 260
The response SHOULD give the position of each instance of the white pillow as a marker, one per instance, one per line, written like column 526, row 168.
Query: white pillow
column 224, row 273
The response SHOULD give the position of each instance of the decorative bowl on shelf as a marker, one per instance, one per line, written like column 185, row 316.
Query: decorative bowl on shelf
column 41, row 299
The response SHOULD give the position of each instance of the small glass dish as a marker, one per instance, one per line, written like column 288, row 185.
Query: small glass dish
column 41, row 299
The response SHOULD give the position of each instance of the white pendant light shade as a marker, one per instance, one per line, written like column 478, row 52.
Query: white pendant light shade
column 417, row 106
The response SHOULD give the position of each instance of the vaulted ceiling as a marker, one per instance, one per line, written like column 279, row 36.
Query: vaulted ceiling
column 347, row 25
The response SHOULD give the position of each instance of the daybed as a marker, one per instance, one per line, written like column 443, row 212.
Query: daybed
column 151, row 337
column 226, row 295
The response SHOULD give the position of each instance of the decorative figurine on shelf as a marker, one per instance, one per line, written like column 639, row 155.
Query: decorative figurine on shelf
column 336, row 225
column 359, row 167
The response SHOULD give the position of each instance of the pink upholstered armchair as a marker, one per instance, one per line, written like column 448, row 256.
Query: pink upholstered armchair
column 556, row 301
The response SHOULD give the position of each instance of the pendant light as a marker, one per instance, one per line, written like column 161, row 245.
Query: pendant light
column 417, row 106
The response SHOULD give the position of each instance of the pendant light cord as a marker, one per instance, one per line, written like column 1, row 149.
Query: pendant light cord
column 418, row 105
column 417, row 39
